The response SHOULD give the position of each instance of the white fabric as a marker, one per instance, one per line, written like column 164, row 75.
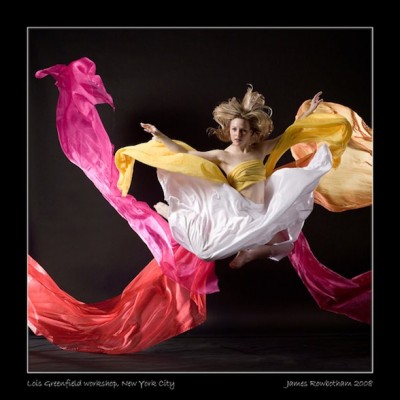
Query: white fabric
column 214, row 221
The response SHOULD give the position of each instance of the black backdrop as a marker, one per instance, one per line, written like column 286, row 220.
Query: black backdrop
column 174, row 78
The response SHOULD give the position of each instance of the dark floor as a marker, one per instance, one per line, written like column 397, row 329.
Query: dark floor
column 335, row 352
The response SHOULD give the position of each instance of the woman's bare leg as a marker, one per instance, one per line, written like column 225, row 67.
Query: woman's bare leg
column 162, row 209
column 245, row 256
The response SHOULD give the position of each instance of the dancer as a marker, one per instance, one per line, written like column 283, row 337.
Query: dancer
column 247, row 126
column 251, row 214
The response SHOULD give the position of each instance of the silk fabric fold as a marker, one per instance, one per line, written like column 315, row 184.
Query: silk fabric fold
column 349, row 186
column 152, row 308
column 85, row 143
column 214, row 221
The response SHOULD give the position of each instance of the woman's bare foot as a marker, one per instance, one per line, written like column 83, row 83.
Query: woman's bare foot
column 245, row 256
column 162, row 209
column 242, row 258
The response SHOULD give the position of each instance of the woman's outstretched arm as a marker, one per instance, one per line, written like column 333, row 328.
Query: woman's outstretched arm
column 160, row 137
column 215, row 156
column 268, row 145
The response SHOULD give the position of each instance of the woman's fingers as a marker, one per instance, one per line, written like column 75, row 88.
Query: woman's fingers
column 317, row 97
column 148, row 127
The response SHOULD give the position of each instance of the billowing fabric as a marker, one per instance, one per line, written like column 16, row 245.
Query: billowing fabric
column 333, row 130
column 135, row 321
column 86, row 144
column 168, row 295
column 157, row 155
column 331, row 291
column 350, row 185
column 214, row 221
column 152, row 308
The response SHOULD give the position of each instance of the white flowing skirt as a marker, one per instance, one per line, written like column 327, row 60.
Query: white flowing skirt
column 214, row 221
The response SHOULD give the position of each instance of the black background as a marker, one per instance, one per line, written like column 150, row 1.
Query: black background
column 174, row 78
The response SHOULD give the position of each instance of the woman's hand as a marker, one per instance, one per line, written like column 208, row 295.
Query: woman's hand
column 160, row 137
column 316, row 100
column 157, row 135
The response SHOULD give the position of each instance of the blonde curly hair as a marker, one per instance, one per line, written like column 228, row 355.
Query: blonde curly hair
column 251, row 109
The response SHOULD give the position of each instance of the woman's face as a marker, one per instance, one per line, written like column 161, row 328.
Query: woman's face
column 240, row 133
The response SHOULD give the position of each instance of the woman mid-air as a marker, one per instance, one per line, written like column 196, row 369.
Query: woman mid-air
column 270, row 209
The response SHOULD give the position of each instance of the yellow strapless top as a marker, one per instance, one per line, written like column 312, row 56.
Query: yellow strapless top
column 246, row 174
